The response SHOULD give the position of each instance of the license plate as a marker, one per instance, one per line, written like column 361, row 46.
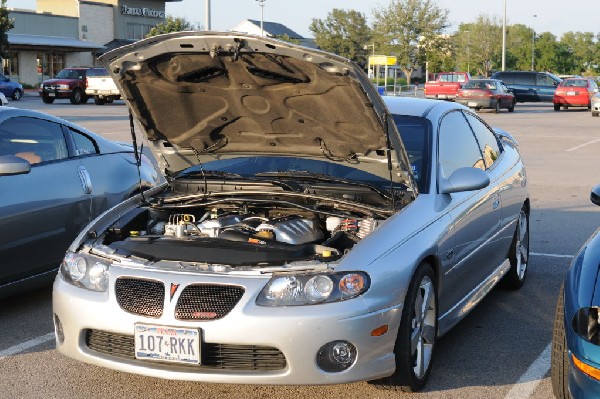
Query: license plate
column 104, row 92
column 442, row 96
column 51, row 94
column 167, row 344
column 571, row 93
column 472, row 104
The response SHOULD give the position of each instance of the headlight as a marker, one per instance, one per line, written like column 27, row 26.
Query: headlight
column 85, row 271
column 63, row 87
column 311, row 288
column 585, row 324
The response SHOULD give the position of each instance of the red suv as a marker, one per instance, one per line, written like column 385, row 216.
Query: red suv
column 69, row 83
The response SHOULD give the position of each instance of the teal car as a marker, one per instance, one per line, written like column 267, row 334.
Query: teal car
column 576, row 338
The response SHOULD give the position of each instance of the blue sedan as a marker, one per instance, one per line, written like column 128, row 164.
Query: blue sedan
column 576, row 338
column 10, row 89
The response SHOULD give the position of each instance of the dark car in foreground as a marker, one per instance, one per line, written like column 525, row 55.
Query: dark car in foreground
column 55, row 177
column 10, row 89
column 486, row 93
column 311, row 232
column 576, row 340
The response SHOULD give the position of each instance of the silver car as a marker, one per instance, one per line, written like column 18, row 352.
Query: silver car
column 310, row 232
column 55, row 177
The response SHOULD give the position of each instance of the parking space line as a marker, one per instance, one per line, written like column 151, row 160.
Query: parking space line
column 550, row 255
column 582, row 145
column 532, row 377
column 22, row 347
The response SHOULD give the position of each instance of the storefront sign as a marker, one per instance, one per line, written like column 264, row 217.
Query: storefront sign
column 142, row 12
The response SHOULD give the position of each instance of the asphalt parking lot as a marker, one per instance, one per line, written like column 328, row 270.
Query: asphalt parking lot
column 501, row 350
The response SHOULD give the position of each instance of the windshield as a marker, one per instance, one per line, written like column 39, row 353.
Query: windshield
column 70, row 74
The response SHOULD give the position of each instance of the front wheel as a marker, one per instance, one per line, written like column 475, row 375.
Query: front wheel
column 417, row 335
column 47, row 100
column 518, row 254
column 76, row 97
column 559, row 364
column 17, row 94
column 511, row 107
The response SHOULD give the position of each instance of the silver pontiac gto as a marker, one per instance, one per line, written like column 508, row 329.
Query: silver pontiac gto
column 310, row 231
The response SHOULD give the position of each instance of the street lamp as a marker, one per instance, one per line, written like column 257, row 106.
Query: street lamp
column 504, row 39
column 533, row 44
column 366, row 46
column 262, row 16
column 468, row 52
column 207, row 14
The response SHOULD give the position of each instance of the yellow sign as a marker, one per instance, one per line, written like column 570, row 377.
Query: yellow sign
column 382, row 60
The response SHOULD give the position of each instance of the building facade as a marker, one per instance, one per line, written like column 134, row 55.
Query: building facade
column 66, row 33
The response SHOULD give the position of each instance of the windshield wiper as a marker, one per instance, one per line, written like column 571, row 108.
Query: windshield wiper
column 217, row 174
column 303, row 174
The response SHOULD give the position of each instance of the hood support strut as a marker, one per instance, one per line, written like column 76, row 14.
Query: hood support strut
column 138, row 157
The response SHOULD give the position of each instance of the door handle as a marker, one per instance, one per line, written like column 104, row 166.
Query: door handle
column 86, row 181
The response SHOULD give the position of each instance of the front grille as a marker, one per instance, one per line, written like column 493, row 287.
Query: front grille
column 141, row 297
column 207, row 301
column 214, row 355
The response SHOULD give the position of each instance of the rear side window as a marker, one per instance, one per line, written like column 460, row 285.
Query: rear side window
column 84, row 145
column 523, row 79
column 545, row 80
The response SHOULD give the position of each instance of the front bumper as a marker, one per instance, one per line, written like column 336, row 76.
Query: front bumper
column 55, row 93
column 297, row 332
column 582, row 386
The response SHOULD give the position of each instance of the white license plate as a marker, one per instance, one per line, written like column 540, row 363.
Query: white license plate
column 442, row 96
column 472, row 104
column 571, row 93
column 51, row 94
column 167, row 344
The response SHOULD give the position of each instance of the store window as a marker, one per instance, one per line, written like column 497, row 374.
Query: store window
column 48, row 65
column 10, row 66
column 58, row 63
column 137, row 31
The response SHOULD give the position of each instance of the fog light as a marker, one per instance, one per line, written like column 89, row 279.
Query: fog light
column 58, row 330
column 336, row 356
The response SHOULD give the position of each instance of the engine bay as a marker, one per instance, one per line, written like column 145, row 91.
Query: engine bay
column 241, row 235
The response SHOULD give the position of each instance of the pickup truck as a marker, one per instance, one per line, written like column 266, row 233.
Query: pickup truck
column 101, row 86
column 446, row 85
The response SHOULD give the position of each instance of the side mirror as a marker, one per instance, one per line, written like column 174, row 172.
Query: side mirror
column 595, row 195
column 464, row 179
column 12, row 165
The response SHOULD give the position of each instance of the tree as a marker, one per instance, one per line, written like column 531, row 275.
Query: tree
column 343, row 32
column 409, row 29
column 519, row 42
column 546, row 53
column 171, row 24
column 6, row 24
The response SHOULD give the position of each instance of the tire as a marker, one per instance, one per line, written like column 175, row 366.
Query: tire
column 557, row 107
column 518, row 254
column 47, row 100
column 559, row 363
column 497, row 109
column 17, row 94
column 594, row 113
column 76, row 97
column 511, row 107
column 417, row 335
column 99, row 100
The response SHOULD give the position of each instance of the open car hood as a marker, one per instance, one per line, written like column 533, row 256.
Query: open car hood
column 201, row 96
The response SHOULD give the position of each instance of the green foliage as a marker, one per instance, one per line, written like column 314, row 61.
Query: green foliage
column 343, row 32
column 171, row 24
column 410, row 30
column 6, row 24
column 287, row 38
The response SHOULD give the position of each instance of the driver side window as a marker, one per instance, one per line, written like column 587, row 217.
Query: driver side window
column 456, row 145
column 34, row 140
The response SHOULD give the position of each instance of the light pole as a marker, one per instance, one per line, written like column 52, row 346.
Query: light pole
column 468, row 52
column 504, row 39
column 533, row 44
column 207, row 14
column 262, row 16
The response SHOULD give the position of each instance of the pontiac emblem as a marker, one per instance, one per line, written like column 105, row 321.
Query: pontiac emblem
column 174, row 288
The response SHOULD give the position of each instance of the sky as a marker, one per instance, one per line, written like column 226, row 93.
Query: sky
column 297, row 15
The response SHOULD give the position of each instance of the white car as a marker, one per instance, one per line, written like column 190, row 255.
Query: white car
column 310, row 232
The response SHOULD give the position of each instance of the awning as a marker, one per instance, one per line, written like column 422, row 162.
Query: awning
column 56, row 43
